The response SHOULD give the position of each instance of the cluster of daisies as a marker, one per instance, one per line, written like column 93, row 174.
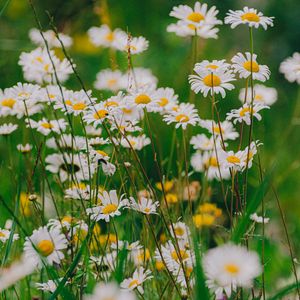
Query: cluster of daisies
column 91, row 145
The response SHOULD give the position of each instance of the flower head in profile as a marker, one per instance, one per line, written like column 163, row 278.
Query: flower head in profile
column 290, row 67
column 248, row 16
column 182, row 115
column 229, row 266
column 247, row 64
column 5, row 235
column 45, row 126
column 7, row 129
column 45, row 245
column 211, row 82
column 133, row 45
column 143, row 205
column 109, row 206
column 113, row 80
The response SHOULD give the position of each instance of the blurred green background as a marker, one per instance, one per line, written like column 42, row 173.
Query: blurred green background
column 170, row 59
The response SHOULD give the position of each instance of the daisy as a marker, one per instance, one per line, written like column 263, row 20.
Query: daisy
column 211, row 66
column 50, row 36
column 262, row 94
column 206, row 81
column 69, row 166
column 166, row 98
column 135, row 142
column 98, row 141
column 143, row 205
column 24, row 148
column 257, row 219
column 248, row 16
column 97, row 114
column 49, row 286
column 45, row 245
column 67, row 142
column 52, row 94
column 141, row 77
column 103, row 36
column 110, row 206
column 225, row 129
column 5, row 235
column 139, row 276
column 7, row 103
column 181, row 231
column 204, row 143
column 79, row 192
column 232, row 160
column 199, row 15
column 246, row 113
column 45, row 126
column 108, row 168
column 249, row 153
column 290, row 67
column 230, row 266
column 92, row 131
column 182, row 115
column 244, row 64
column 110, row 80
column 7, row 129
column 105, row 291
column 133, row 45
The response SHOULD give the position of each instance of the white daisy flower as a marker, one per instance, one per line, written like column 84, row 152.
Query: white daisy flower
column 211, row 66
column 140, row 77
column 67, row 142
column 225, row 129
column 230, row 266
column 98, row 141
column 79, row 192
column 97, row 114
column 105, row 291
column 259, row 219
column 45, row 126
column 182, row 115
column 24, row 148
column 125, row 126
column 249, row 16
column 50, row 36
column 135, row 142
column 290, row 67
column 249, row 153
column 6, row 129
column 37, row 66
column 108, row 168
column 110, row 206
column 139, row 276
column 204, row 143
column 45, row 245
column 207, row 163
column 7, row 103
column 134, row 45
column 199, row 15
column 110, row 80
column 68, row 166
column 49, row 286
column 181, row 230
column 262, row 94
column 144, row 205
column 166, row 98
column 206, row 81
column 244, row 64
column 5, row 234
column 52, row 94
column 92, row 131
column 103, row 36
column 245, row 113
column 232, row 160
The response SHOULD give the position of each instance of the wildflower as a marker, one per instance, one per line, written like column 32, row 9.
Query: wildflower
column 224, row 130
column 24, row 148
column 5, row 234
column 229, row 266
column 166, row 98
column 50, row 36
column 247, row 65
column 249, row 152
column 207, row 215
column 45, row 126
column 208, row 82
column 202, row 142
column 139, row 276
column 104, row 291
column 211, row 66
column 141, row 77
column 134, row 45
column 183, row 115
column 67, row 142
column 248, row 16
column 79, row 191
column 110, row 80
column 171, row 198
column 258, row 219
column 7, row 103
column 232, row 160
column 246, row 113
column 143, row 205
column 49, row 286
column 261, row 94
column 135, row 142
column 167, row 185
column 110, row 206
column 103, row 36
column 191, row 192
column 45, row 245
column 7, row 129
column 181, row 231
column 290, row 67
column 108, row 168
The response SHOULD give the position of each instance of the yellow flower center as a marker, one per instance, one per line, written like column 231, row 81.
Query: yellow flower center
column 258, row 97
column 211, row 66
column 67, row 219
column 110, row 37
column 133, row 283
column 179, row 231
column 246, row 110
column 233, row 159
column 232, row 269
column 127, row 111
column 46, row 67
column 47, row 125
column 8, row 102
column 216, row 129
column 111, row 103
column 2, row 234
column 251, row 17
column 111, row 82
column 109, row 208
column 147, row 210
column 100, row 114
column 39, row 59
column 163, row 102
column 255, row 66
column 212, row 80
column 159, row 265
column 195, row 17
column 212, row 162
column 79, row 106
column 142, row 99
column 24, row 94
column 103, row 153
column 45, row 247
column 182, row 118
column 183, row 254
column 68, row 102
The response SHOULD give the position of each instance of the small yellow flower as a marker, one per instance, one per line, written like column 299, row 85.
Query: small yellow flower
column 171, row 198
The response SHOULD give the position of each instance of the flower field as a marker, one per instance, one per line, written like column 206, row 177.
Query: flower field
column 149, row 150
